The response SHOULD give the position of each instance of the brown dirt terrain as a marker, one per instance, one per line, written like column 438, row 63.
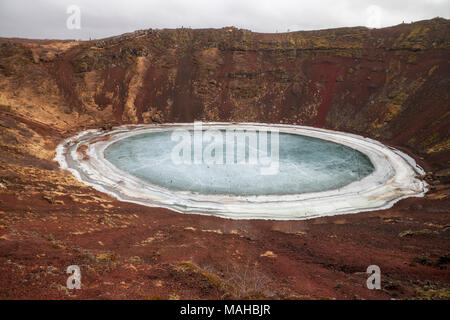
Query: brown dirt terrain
column 389, row 84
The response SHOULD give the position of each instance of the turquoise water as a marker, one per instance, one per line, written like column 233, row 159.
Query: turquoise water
column 305, row 164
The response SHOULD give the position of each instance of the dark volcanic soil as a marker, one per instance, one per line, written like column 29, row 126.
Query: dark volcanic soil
column 390, row 84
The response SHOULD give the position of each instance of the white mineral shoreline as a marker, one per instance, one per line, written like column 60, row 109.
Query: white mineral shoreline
column 394, row 177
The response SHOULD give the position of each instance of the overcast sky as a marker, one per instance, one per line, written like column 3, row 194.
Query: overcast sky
column 46, row 19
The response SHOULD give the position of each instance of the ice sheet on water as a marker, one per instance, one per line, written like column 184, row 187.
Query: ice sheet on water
column 305, row 165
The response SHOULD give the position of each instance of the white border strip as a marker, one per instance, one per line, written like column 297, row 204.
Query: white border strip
column 394, row 177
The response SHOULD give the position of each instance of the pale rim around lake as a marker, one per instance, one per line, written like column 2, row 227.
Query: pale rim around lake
column 395, row 177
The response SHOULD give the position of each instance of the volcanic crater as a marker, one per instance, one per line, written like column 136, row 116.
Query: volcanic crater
column 389, row 86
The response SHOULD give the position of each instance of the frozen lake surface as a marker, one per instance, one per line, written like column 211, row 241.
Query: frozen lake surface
column 318, row 172
column 305, row 164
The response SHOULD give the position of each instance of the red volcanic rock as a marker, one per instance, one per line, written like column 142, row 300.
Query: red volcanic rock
column 389, row 84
